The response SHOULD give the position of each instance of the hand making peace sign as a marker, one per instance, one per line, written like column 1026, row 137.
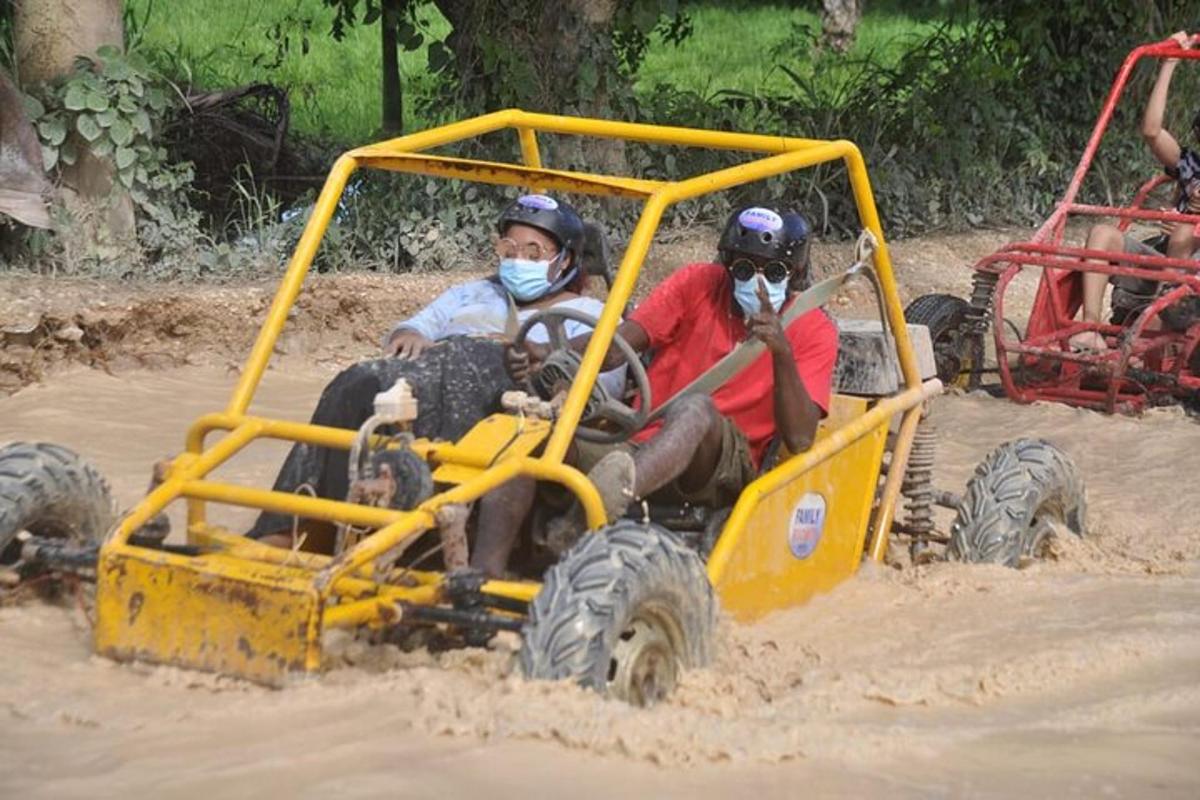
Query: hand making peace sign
column 765, row 324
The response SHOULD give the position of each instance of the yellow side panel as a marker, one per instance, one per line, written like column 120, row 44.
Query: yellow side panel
column 842, row 409
column 807, row 536
column 212, row 613
column 492, row 440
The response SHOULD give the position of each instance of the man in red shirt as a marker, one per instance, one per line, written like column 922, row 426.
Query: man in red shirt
column 705, row 449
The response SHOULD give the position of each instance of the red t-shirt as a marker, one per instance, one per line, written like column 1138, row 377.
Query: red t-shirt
column 692, row 323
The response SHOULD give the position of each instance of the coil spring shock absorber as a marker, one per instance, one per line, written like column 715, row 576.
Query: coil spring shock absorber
column 917, row 488
column 983, row 291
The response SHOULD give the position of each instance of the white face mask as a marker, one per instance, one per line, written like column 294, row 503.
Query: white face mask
column 525, row 279
column 746, row 294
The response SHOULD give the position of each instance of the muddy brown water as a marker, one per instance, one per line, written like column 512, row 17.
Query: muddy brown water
column 1076, row 677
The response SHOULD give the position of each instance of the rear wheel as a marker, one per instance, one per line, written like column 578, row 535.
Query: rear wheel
column 955, row 349
column 50, row 491
column 1021, row 494
column 624, row 612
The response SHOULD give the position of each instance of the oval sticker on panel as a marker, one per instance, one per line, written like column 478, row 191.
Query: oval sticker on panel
column 807, row 525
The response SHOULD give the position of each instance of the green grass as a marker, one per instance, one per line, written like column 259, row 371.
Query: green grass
column 742, row 45
column 334, row 88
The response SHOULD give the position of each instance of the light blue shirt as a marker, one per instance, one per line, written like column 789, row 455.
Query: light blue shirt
column 481, row 307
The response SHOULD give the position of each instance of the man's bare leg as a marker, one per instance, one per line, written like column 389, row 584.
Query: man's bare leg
column 1182, row 241
column 1100, row 237
column 687, row 448
column 501, row 514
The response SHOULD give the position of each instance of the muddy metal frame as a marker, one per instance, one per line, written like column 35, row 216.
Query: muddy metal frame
column 250, row 594
column 1165, row 355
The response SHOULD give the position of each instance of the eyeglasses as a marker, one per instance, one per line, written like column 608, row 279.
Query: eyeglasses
column 743, row 269
column 507, row 248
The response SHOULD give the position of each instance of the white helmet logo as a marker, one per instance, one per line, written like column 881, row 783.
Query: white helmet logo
column 760, row 219
column 539, row 201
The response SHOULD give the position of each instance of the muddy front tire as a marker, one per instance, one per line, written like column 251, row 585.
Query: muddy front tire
column 1021, row 494
column 624, row 612
column 51, row 491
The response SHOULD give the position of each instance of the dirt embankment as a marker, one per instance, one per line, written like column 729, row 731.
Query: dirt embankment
column 47, row 323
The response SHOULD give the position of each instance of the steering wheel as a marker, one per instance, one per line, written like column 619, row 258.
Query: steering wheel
column 562, row 364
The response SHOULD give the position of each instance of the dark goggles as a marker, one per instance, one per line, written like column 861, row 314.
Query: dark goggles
column 744, row 268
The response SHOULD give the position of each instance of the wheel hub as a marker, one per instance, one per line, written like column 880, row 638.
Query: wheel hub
column 645, row 661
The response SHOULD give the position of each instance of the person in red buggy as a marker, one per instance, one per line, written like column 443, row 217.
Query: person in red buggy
column 1131, row 294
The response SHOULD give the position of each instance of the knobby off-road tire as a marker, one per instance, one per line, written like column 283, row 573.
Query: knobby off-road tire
column 954, row 347
column 625, row 610
column 49, row 490
column 1020, row 494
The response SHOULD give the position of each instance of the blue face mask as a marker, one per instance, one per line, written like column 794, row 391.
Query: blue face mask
column 746, row 294
column 525, row 280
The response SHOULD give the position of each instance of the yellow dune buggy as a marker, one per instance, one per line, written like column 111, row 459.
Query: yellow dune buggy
column 630, row 604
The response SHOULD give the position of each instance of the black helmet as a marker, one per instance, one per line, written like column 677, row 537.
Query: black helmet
column 767, row 234
column 554, row 217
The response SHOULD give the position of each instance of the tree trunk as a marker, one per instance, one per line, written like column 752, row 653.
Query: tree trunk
column 466, row 22
column 557, row 57
column 48, row 35
column 839, row 18
column 393, row 90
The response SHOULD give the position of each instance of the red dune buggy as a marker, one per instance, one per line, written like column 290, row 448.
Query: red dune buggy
column 1152, row 334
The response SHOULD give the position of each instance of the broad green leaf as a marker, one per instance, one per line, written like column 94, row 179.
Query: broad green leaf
column 439, row 56
column 412, row 42
column 108, row 51
column 88, row 128
column 117, row 70
column 138, row 63
column 67, row 154
column 126, row 178
column 407, row 35
column 136, row 87
column 90, row 81
column 103, row 148
column 49, row 157
column 33, row 106
column 141, row 123
column 127, row 105
column 156, row 98
column 121, row 132
column 53, row 130
column 97, row 101
column 107, row 118
column 76, row 98
column 125, row 157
